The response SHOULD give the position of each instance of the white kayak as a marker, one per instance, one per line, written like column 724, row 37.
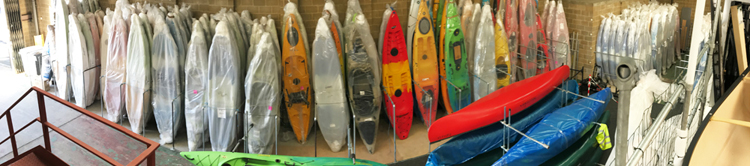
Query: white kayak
column 485, row 77
column 224, row 89
column 138, row 77
column 62, row 72
column 330, row 95
column 167, row 99
column 411, row 26
column 263, row 98
column 196, row 66
column 79, row 61
column 115, row 73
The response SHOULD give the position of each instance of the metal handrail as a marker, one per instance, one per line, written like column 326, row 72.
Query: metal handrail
column 148, row 154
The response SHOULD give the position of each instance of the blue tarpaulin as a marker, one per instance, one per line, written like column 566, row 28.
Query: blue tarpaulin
column 466, row 146
column 559, row 130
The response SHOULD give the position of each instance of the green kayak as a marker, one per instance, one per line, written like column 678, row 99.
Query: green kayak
column 457, row 72
column 207, row 158
column 571, row 156
column 585, row 151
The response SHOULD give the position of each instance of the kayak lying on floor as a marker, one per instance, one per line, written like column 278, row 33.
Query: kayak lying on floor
column 467, row 146
column 585, row 151
column 487, row 110
column 206, row 158
column 559, row 130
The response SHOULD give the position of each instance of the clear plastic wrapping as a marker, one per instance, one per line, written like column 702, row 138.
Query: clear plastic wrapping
column 363, row 74
column 95, row 26
column 49, row 52
column 196, row 66
column 470, row 36
column 60, row 65
column 167, row 99
column 600, row 44
column 561, row 38
column 383, row 25
column 262, row 104
column 511, row 29
column 330, row 95
column 224, row 89
column 502, row 58
column 485, row 80
column 115, row 73
column 138, row 77
column 528, row 37
column 78, row 54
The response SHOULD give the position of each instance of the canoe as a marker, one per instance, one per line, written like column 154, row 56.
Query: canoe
column 425, row 66
column 196, row 66
column 330, row 94
column 397, row 78
column 721, row 137
column 363, row 75
column 139, row 76
column 223, row 101
column 485, row 75
column 262, row 98
column 167, row 84
column 204, row 158
column 470, row 146
column 440, row 34
column 515, row 97
column 297, row 91
column 582, row 152
column 559, row 130
column 458, row 91
column 527, row 38
column 411, row 26
column 502, row 56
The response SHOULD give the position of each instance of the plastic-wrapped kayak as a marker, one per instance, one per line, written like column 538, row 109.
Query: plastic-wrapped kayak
column 337, row 31
column 223, row 99
column 262, row 87
column 582, row 151
column 203, row 158
column 363, row 75
column 527, row 38
column 458, row 92
column 138, row 77
column 485, row 76
column 467, row 146
column 602, row 47
column 196, row 66
column 95, row 26
column 511, row 28
column 425, row 66
column 544, row 58
column 116, row 66
column 414, row 15
column 559, row 130
column 466, row 13
column 167, row 99
column 80, row 80
column 330, row 94
column 297, row 85
column 502, row 54
column 560, row 39
column 489, row 109
column 397, row 78
column 386, row 16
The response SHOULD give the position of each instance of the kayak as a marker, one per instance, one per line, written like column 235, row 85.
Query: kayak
column 397, row 78
column 559, row 130
column 527, row 38
column 196, row 66
column 297, row 91
column 585, row 151
column 511, row 29
column 515, row 97
column 206, row 158
column 485, row 76
column 330, row 94
column 425, row 66
column 224, row 97
column 458, row 91
column 466, row 147
column 440, row 34
column 502, row 56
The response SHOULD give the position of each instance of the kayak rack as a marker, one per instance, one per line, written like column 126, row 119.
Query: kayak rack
column 460, row 93
column 393, row 120
column 544, row 60
column 429, row 122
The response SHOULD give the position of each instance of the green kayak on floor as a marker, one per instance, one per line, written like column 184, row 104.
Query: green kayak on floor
column 583, row 152
column 208, row 158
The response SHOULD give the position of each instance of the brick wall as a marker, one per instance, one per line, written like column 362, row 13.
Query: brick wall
column 27, row 27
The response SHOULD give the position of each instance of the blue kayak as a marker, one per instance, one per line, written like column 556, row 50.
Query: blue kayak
column 467, row 146
column 559, row 130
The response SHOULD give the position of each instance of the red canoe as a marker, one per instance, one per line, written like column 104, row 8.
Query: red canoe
column 516, row 97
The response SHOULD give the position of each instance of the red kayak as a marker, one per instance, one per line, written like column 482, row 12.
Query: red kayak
column 516, row 97
column 397, row 77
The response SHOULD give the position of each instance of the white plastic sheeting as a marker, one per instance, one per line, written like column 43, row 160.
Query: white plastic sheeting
column 138, row 90
column 62, row 71
column 115, row 73
column 81, row 60
column 485, row 76
column 330, row 94
column 224, row 88
column 263, row 98
column 196, row 66
column 383, row 25
column 560, row 39
column 167, row 98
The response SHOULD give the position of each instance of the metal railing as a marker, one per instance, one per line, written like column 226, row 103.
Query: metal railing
column 147, row 155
